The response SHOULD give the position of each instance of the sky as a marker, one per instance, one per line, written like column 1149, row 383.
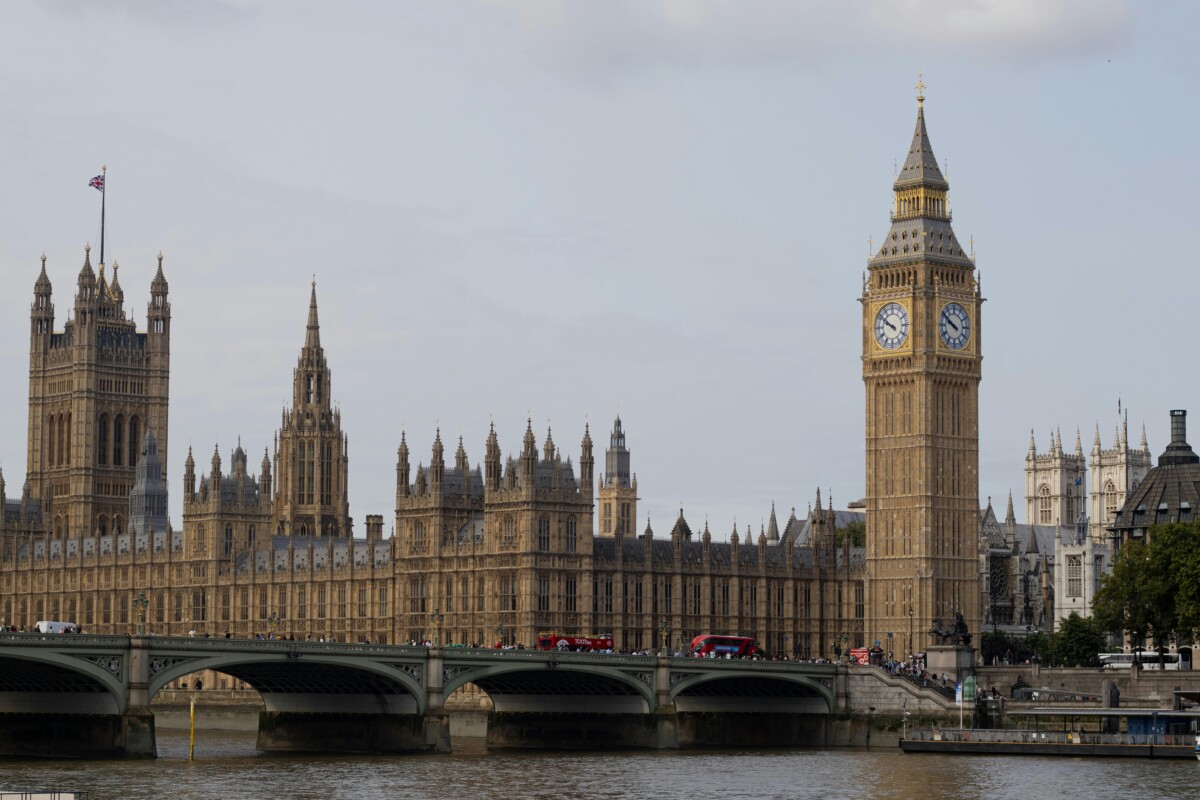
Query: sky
column 561, row 211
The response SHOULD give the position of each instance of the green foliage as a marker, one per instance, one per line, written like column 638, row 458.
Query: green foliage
column 996, row 647
column 1153, row 591
column 854, row 532
column 1077, row 643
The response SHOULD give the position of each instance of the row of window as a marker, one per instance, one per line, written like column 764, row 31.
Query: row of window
column 115, row 443
column 418, row 538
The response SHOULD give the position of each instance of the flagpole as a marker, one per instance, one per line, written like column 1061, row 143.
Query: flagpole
column 103, row 194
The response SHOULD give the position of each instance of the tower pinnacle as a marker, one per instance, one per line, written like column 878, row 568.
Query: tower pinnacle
column 312, row 337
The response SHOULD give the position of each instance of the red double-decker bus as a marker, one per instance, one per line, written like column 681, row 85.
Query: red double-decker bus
column 711, row 645
column 599, row 643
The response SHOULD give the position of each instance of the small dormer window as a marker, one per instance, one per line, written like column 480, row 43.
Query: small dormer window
column 1185, row 511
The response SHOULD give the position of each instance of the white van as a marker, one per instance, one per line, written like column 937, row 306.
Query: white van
column 46, row 626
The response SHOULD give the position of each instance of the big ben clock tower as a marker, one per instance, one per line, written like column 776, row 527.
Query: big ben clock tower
column 922, row 350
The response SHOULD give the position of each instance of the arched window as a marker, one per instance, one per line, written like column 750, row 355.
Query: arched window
column 51, row 441
column 67, row 440
column 135, row 441
column 418, row 536
column 1111, row 504
column 102, row 525
column 250, row 538
column 544, row 532
column 571, row 543
column 228, row 540
column 63, row 444
column 1044, row 517
column 118, row 439
column 198, row 540
column 117, row 522
column 308, row 389
column 102, row 440
column 508, row 531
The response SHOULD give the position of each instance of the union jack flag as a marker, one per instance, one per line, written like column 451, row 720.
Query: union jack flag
column 97, row 182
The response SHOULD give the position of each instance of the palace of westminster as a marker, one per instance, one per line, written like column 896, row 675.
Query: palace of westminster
column 535, row 541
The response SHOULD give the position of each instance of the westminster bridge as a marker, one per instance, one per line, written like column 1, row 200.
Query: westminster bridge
column 90, row 695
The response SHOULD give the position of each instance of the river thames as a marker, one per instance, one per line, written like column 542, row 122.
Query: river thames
column 227, row 766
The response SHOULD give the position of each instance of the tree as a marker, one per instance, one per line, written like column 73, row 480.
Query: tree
column 1153, row 592
column 1076, row 643
column 855, row 533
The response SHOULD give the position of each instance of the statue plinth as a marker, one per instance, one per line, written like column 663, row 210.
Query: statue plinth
column 955, row 660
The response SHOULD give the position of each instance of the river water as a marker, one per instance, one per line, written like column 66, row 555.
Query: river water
column 227, row 766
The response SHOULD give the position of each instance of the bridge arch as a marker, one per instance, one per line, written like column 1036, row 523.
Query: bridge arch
column 45, row 681
column 557, row 687
column 774, row 692
column 305, row 682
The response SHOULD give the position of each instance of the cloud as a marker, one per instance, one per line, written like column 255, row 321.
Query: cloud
column 620, row 35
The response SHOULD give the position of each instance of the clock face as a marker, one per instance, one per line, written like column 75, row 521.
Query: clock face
column 954, row 325
column 891, row 326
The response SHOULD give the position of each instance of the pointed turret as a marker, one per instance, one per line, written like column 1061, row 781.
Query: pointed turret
column 214, row 476
column 1096, row 440
column 548, row 447
column 437, row 466
column 587, row 462
column 920, row 166
column 115, row 289
column 1144, row 446
column 87, row 277
column 530, row 443
column 312, row 336
column 460, row 461
column 41, row 318
column 491, row 459
column 42, row 284
column 1010, row 517
column 1032, row 447
column 773, row 527
column 402, row 469
column 1078, row 444
column 264, row 475
column 189, row 477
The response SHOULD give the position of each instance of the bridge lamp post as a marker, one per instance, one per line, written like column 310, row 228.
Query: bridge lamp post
column 273, row 623
column 500, row 631
column 436, row 618
column 140, row 603
column 664, row 630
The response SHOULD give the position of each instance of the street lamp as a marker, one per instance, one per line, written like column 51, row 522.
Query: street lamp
column 141, row 603
column 436, row 618
column 664, row 630
column 273, row 623
column 500, row 631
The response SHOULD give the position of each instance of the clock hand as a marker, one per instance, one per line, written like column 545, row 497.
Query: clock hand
column 889, row 324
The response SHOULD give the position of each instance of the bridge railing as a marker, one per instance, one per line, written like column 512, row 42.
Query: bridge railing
column 64, row 640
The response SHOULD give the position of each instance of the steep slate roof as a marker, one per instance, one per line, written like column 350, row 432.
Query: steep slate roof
column 801, row 531
column 1170, row 492
column 914, row 237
